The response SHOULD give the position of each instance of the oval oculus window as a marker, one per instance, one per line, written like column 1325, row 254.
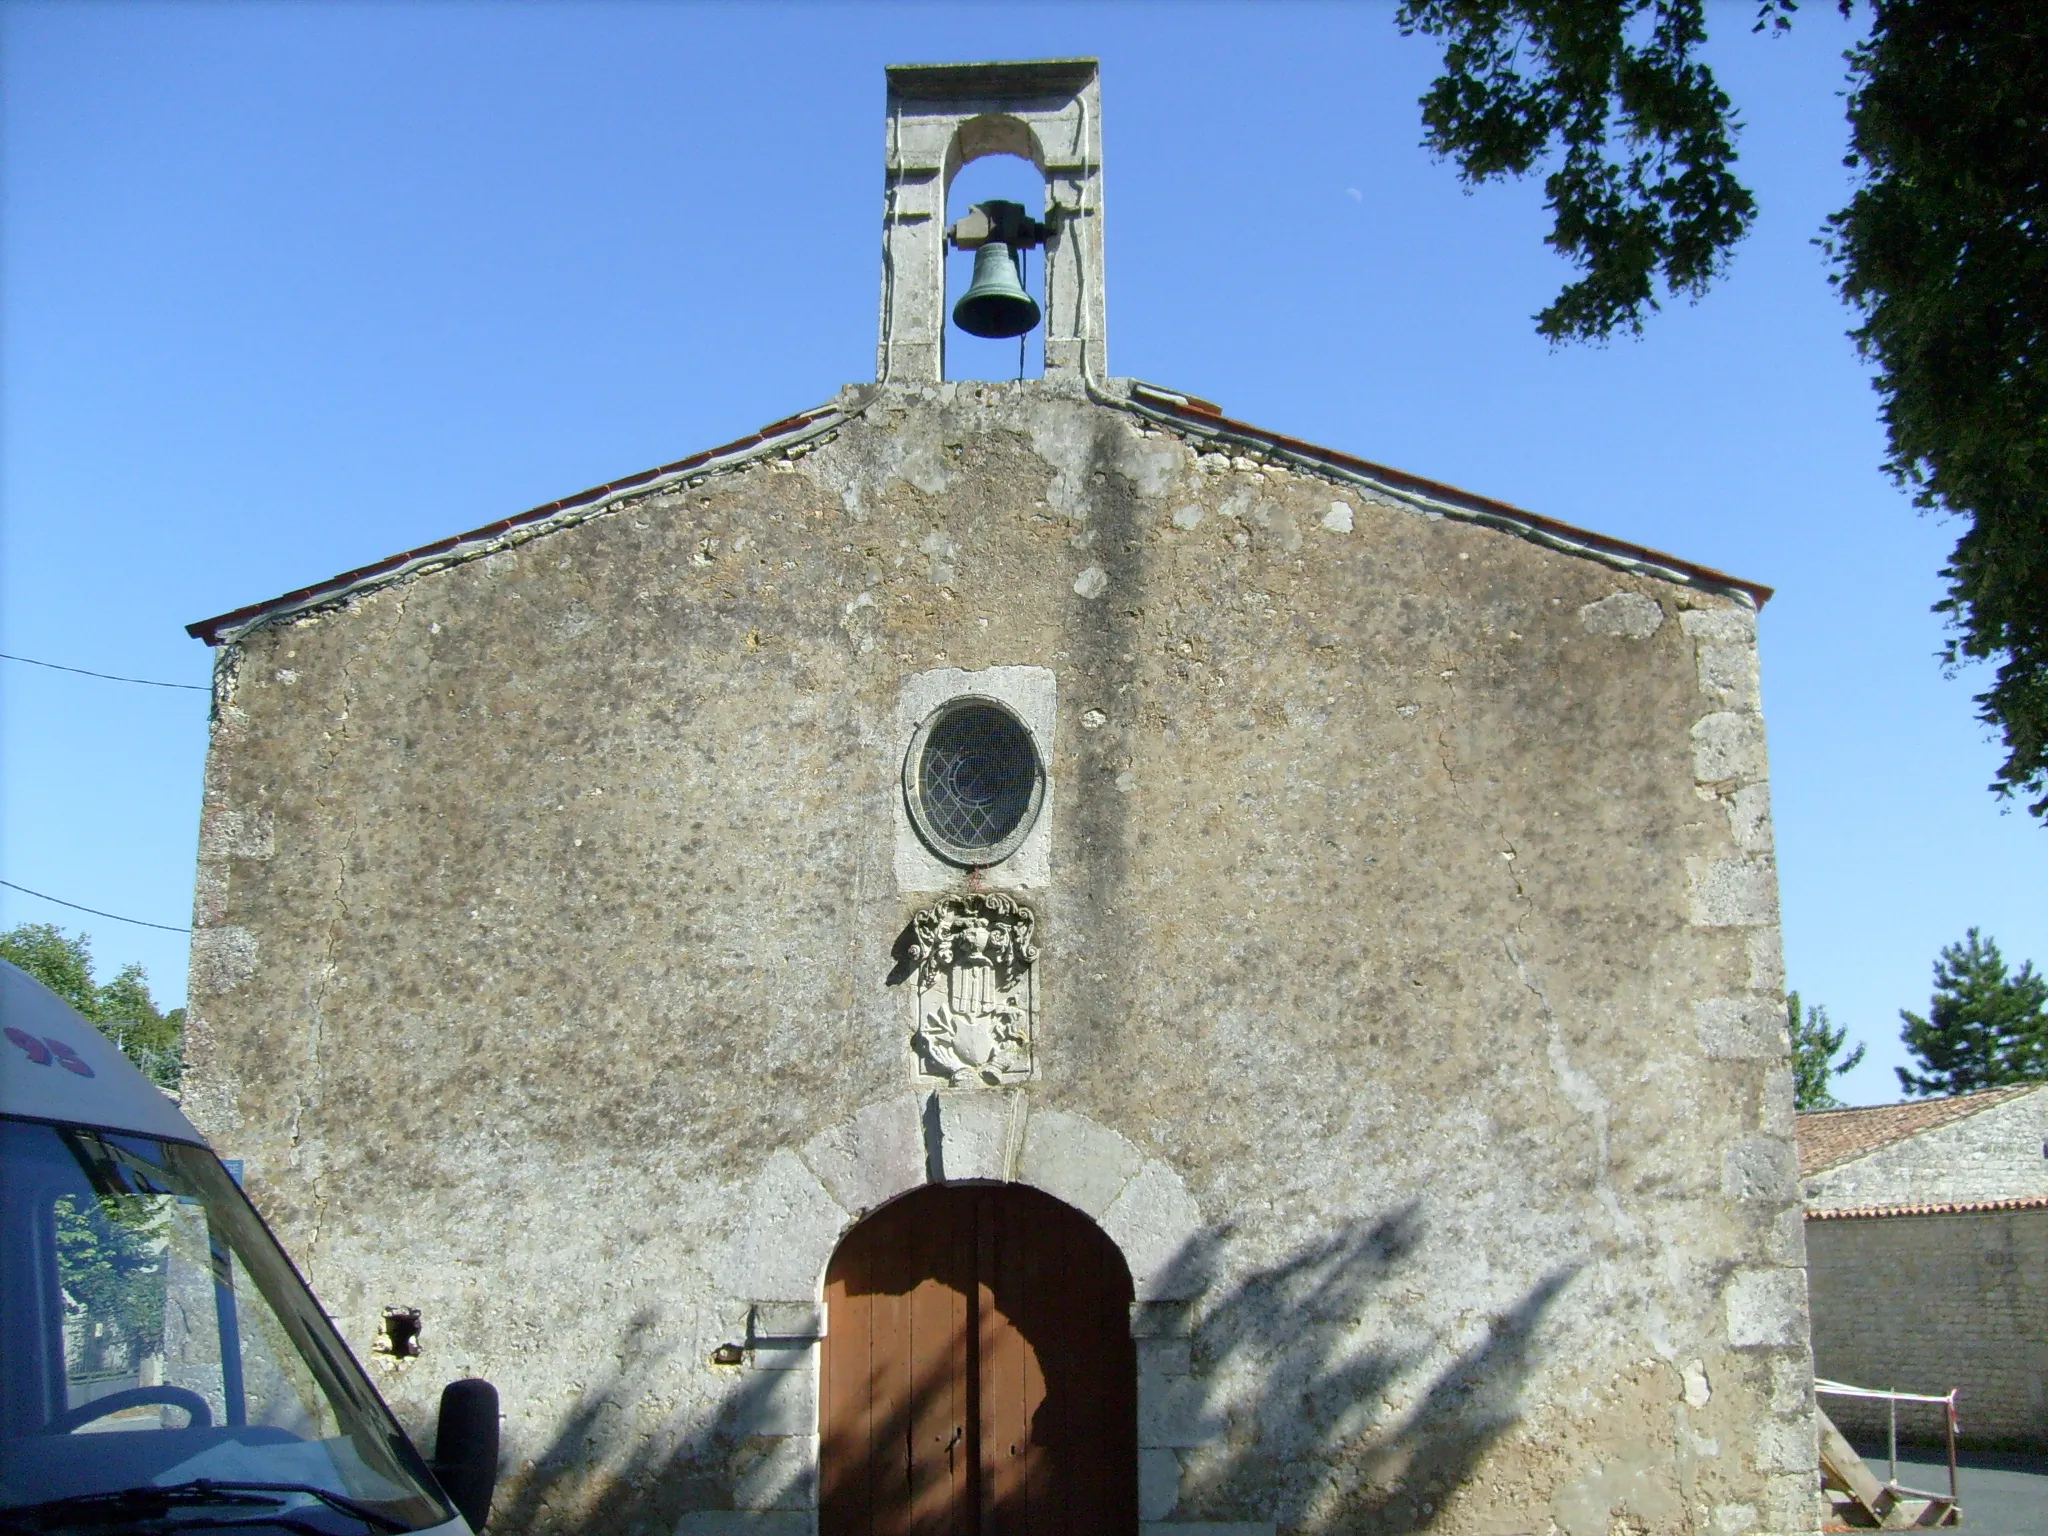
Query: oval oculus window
column 973, row 781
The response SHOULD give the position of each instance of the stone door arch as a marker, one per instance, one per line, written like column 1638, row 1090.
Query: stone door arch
column 979, row 1376
column 805, row 1200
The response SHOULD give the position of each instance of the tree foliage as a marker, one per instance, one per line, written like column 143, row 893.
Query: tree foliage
column 1986, row 1027
column 1643, row 191
column 1814, row 1049
column 1942, row 249
column 122, row 1007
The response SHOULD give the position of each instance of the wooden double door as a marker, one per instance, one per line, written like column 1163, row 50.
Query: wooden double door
column 979, row 1377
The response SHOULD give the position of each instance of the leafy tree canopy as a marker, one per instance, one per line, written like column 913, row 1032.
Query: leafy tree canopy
column 1986, row 1027
column 122, row 1007
column 1942, row 249
column 1641, row 138
column 1814, row 1049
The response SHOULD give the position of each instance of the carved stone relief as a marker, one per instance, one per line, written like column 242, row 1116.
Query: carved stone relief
column 976, row 989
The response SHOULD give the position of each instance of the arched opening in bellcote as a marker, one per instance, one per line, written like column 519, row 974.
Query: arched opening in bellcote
column 994, row 156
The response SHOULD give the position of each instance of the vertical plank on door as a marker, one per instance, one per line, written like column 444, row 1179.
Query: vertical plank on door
column 1035, row 1279
column 845, row 1390
column 942, row 1429
column 1005, row 1426
column 888, row 1466
column 1106, row 1497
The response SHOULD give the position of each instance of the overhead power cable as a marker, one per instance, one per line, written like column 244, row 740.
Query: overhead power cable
column 147, row 682
column 95, row 911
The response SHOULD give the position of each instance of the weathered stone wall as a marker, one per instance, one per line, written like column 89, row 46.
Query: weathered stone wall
column 1410, row 997
column 1931, row 1303
column 2000, row 1153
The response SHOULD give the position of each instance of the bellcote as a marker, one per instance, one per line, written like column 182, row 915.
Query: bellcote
column 945, row 116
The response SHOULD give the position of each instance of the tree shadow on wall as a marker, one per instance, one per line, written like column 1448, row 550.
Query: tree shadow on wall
column 1312, row 1411
column 1306, row 1406
column 604, row 1474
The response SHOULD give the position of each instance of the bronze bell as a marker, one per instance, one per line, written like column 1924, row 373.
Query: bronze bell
column 995, row 303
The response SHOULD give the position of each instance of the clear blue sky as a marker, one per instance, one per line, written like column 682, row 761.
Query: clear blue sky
column 289, row 288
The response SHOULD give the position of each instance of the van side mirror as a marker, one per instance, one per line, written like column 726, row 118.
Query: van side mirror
column 466, row 1448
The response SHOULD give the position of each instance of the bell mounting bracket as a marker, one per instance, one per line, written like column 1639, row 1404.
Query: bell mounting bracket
column 1000, row 221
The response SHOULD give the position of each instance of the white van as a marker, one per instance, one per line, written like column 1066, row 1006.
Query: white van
column 162, row 1365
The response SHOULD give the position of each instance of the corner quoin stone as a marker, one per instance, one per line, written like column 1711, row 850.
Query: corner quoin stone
column 1623, row 615
column 1733, row 893
column 1728, row 746
column 1766, row 1308
column 1737, row 1028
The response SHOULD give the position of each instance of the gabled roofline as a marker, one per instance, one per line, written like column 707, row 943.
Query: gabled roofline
column 1188, row 415
column 777, row 436
column 1200, row 417
column 1960, row 1107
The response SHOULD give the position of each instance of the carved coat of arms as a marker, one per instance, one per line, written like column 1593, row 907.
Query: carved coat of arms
column 976, row 995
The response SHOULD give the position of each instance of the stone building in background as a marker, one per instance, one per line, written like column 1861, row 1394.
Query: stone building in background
column 1027, row 956
column 1927, row 1242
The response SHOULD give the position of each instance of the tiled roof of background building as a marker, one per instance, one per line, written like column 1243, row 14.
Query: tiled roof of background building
column 1831, row 1137
column 1935, row 1208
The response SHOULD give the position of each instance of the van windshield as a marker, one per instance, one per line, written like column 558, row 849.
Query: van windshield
column 154, row 1337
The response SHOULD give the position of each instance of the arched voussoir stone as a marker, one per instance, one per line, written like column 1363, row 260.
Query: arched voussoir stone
column 801, row 1205
column 1157, row 1225
column 1074, row 1159
column 791, row 1226
column 869, row 1160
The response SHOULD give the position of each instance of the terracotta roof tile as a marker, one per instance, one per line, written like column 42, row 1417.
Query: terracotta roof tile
column 1831, row 1137
column 1939, row 1208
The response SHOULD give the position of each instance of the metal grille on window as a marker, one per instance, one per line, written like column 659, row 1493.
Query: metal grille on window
column 977, row 782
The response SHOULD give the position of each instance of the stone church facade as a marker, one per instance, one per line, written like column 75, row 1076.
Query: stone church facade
column 1076, row 853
